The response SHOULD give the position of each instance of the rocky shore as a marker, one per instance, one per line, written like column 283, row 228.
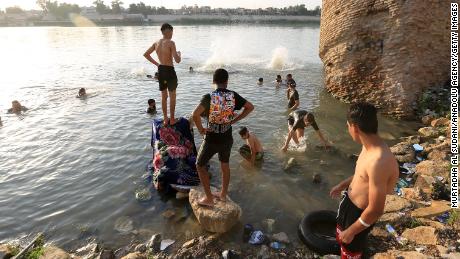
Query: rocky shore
column 417, row 223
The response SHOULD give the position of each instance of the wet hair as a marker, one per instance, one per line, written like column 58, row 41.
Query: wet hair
column 364, row 115
column 150, row 101
column 291, row 82
column 82, row 90
column 289, row 75
column 243, row 131
column 220, row 76
column 278, row 76
column 261, row 79
column 166, row 26
column 310, row 117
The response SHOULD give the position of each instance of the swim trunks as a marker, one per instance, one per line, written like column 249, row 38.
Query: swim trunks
column 347, row 215
column 167, row 78
column 245, row 151
column 208, row 149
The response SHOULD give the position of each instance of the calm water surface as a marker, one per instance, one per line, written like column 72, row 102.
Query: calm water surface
column 70, row 167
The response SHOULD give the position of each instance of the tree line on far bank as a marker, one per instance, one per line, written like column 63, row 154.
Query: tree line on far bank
column 62, row 10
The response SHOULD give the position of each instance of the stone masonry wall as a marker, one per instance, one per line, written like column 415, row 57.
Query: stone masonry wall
column 385, row 51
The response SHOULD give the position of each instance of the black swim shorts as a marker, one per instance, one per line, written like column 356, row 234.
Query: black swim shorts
column 167, row 78
column 348, row 214
column 209, row 148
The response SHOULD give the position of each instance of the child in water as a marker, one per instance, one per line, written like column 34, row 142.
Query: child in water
column 152, row 109
column 261, row 81
column 279, row 81
column 16, row 107
column 81, row 93
column 252, row 151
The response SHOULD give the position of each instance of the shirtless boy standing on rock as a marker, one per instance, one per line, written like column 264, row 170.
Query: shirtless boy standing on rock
column 375, row 176
column 167, row 78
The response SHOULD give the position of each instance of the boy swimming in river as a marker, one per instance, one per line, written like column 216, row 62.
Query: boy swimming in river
column 252, row 151
column 167, row 78
column 152, row 109
column 16, row 107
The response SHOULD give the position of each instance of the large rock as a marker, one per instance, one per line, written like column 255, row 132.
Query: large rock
column 427, row 119
column 135, row 255
column 439, row 155
column 428, row 132
column 52, row 252
column 435, row 224
column 384, row 51
column 421, row 235
column 395, row 203
column 400, row 254
column 424, row 182
column 432, row 168
column 404, row 152
column 436, row 208
column 221, row 218
column 441, row 122
column 390, row 217
column 413, row 193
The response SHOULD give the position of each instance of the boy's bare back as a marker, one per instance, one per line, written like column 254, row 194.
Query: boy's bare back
column 164, row 49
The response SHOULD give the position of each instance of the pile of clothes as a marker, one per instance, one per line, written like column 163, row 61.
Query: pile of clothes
column 174, row 155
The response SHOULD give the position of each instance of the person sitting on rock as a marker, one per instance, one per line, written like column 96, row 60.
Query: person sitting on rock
column 219, row 107
column 16, row 107
column 81, row 93
column 376, row 173
column 252, row 151
column 297, row 122
column 152, row 109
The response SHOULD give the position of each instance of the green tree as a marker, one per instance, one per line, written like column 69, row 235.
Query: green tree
column 101, row 8
column 116, row 6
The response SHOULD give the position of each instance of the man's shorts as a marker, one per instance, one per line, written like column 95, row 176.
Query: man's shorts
column 209, row 149
column 245, row 151
column 347, row 215
column 167, row 78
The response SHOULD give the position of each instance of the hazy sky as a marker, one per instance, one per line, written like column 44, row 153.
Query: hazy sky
column 310, row 4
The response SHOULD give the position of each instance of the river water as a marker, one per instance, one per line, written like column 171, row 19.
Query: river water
column 70, row 167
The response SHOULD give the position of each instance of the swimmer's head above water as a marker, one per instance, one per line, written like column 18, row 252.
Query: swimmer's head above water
column 260, row 81
column 81, row 92
column 288, row 77
column 167, row 30
column 291, row 83
column 278, row 79
column 220, row 78
column 190, row 69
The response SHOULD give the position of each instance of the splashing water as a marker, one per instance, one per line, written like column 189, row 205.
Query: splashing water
column 138, row 72
column 280, row 56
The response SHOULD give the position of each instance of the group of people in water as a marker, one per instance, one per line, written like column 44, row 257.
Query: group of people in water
column 363, row 194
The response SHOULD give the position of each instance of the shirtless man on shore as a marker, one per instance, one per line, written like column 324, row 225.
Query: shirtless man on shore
column 167, row 78
column 375, row 176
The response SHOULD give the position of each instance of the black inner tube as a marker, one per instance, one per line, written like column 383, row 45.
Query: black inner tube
column 317, row 231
